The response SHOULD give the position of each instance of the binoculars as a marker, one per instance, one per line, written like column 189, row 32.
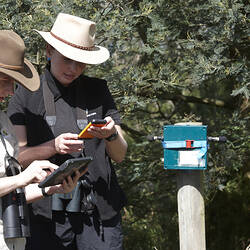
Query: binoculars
column 15, row 215
column 89, row 201
column 14, row 208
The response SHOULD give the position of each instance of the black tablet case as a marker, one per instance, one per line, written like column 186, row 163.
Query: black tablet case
column 66, row 169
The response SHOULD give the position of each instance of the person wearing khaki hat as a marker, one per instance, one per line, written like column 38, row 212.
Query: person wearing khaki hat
column 48, row 123
column 13, row 230
column 14, row 217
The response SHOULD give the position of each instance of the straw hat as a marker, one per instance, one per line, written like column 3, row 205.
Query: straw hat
column 13, row 63
column 74, row 38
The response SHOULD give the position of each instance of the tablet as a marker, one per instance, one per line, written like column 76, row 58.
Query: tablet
column 66, row 169
column 97, row 123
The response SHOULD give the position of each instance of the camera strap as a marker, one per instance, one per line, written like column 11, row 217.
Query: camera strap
column 3, row 141
column 89, row 203
column 11, row 160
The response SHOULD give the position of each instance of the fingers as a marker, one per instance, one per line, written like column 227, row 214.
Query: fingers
column 105, row 131
column 66, row 187
column 78, row 175
column 67, row 149
column 68, row 184
column 69, row 136
column 32, row 174
column 44, row 164
column 68, row 143
column 55, row 189
column 39, row 175
column 109, row 120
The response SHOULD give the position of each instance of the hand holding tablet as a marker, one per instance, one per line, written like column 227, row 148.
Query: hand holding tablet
column 66, row 169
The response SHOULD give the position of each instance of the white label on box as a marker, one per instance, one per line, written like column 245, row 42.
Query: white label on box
column 190, row 158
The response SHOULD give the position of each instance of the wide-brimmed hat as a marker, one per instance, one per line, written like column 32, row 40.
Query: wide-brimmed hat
column 74, row 37
column 13, row 63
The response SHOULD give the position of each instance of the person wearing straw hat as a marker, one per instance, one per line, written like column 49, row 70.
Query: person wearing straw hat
column 14, row 67
column 48, row 123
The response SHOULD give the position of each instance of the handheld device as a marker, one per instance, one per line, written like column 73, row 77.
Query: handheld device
column 66, row 169
column 97, row 123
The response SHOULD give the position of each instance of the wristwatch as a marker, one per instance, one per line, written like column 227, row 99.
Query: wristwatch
column 112, row 137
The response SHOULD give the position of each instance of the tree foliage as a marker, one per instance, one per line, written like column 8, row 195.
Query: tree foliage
column 171, row 61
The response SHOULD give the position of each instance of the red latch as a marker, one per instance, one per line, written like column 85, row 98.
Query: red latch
column 189, row 143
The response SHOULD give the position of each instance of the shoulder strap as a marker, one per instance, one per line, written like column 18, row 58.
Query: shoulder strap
column 49, row 103
column 81, row 114
column 82, row 119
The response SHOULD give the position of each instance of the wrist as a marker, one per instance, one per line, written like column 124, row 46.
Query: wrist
column 54, row 146
column 20, row 181
column 113, row 136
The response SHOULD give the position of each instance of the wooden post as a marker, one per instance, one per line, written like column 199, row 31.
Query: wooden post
column 191, row 211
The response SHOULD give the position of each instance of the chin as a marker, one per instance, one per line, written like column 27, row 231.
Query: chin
column 66, row 82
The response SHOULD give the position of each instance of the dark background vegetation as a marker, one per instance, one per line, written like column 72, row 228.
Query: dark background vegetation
column 171, row 61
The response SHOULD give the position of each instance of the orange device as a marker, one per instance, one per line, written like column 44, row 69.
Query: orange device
column 97, row 123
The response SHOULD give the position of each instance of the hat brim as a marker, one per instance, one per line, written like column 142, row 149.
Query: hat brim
column 28, row 76
column 96, row 55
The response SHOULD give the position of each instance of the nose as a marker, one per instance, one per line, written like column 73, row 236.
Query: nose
column 75, row 66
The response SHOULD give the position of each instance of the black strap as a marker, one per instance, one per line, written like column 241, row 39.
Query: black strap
column 11, row 160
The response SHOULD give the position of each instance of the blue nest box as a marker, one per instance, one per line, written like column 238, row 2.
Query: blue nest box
column 185, row 147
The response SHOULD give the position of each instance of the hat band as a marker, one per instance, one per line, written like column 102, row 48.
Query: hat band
column 5, row 66
column 71, row 44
